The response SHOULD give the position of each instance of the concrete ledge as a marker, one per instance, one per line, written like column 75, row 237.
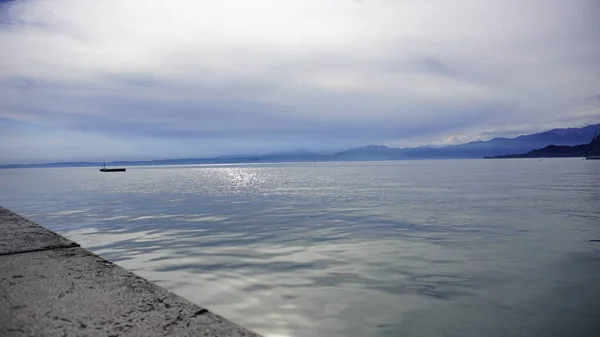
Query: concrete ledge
column 60, row 290
column 18, row 234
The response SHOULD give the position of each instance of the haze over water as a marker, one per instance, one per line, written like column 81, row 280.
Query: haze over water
column 408, row 248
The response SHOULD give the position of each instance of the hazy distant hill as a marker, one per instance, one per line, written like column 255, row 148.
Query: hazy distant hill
column 551, row 151
column 370, row 152
column 300, row 155
column 478, row 149
column 494, row 147
column 281, row 156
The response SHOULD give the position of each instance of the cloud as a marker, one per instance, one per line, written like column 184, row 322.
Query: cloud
column 262, row 75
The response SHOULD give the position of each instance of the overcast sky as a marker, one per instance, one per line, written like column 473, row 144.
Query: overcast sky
column 144, row 79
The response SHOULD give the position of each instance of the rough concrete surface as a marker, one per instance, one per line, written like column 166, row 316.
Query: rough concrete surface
column 18, row 234
column 68, row 291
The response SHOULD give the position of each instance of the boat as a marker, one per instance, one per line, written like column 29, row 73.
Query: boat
column 105, row 169
column 594, row 148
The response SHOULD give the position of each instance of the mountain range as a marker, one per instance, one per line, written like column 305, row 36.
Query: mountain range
column 478, row 149
column 589, row 150
column 551, row 151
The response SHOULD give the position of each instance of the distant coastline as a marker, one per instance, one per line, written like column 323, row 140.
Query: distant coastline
column 565, row 142
column 550, row 151
column 590, row 150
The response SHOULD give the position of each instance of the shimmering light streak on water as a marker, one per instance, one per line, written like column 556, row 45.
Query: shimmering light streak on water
column 416, row 248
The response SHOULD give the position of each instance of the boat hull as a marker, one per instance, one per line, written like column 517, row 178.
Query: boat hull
column 593, row 157
column 113, row 170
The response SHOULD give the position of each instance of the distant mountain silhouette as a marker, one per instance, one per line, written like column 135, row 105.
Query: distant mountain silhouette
column 477, row 149
column 281, row 156
column 559, row 139
column 551, row 151
column 370, row 152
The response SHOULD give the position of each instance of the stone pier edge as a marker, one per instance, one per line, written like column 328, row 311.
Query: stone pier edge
column 50, row 286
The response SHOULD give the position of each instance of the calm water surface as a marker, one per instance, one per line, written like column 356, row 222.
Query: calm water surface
column 412, row 248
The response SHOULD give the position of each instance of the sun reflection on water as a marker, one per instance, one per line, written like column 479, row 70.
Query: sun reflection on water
column 345, row 249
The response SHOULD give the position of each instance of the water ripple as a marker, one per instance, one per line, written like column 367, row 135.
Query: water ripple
column 460, row 248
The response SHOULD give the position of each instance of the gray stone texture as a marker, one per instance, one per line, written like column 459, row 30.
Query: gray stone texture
column 54, row 289
column 18, row 234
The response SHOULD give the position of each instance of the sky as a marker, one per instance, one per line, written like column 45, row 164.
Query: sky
column 143, row 79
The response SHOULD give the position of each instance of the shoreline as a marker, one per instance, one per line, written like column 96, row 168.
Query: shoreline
column 50, row 286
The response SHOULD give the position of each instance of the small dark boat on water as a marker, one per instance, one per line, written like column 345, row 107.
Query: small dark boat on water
column 594, row 148
column 105, row 169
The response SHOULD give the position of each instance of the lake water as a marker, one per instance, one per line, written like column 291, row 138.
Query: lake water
column 407, row 248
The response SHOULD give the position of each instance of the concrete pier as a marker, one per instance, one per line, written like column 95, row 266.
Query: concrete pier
column 49, row 286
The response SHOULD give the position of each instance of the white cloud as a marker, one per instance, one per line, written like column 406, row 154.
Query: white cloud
column 278, row 71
